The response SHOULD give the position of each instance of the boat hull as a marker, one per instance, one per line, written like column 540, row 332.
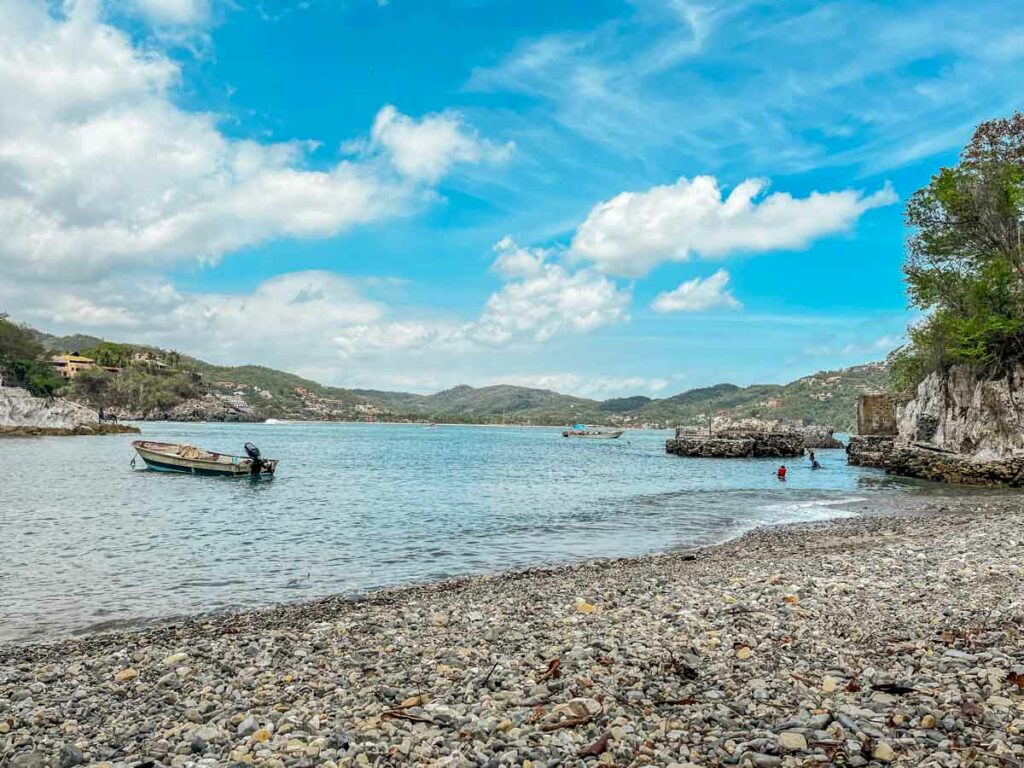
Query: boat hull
column 216, row 465
column 594, row 435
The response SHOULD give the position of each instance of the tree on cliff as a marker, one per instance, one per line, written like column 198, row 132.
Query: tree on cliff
column 23, row 360
column 965, row 261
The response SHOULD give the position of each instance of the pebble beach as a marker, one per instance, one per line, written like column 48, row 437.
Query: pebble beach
column 889, row 638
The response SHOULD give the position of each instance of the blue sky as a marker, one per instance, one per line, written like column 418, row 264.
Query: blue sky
column 603, row 198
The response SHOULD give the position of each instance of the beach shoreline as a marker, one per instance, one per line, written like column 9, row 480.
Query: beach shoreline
column 890, row 637
column 395, row 590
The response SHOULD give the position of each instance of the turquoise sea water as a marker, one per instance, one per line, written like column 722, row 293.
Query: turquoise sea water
column 86, row 542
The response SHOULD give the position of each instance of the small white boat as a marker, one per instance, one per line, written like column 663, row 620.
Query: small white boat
column 581, row 430
column 175, row 457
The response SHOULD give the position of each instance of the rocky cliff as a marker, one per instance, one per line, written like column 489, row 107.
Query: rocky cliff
column 961, row 427
column 965, row 412
column 23, row 414
column 18, row 408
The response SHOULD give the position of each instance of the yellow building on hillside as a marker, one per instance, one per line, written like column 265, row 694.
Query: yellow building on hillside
column 68, row 366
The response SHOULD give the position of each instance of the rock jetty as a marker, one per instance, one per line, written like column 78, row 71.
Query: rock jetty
column 961, row 427
column 736, row 443
column 930, row 463
column 817, row 436
column 870, row 641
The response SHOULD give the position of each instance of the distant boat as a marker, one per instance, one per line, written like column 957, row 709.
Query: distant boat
column 581, row 430
column 174, row 457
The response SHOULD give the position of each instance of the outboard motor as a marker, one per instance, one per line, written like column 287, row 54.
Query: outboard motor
column 254, row 454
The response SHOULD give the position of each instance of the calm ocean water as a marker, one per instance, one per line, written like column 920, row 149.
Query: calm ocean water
column 88, row 543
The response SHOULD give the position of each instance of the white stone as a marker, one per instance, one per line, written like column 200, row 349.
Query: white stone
column 791, row 741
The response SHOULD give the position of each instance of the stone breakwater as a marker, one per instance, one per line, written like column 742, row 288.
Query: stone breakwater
column 928, row 463
column 820, row 437
column 866, row 641
column 737, row 444
column 962, row 426
column 85, row 429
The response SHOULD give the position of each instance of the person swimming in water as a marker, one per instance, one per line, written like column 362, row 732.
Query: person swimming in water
column 781, row 472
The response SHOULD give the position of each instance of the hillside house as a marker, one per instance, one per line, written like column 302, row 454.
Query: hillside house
column 68, row 366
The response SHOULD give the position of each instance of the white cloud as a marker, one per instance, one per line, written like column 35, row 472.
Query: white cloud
column 547, row 298
column 596, row 387
column 697, row 294
column 369, row 339
column 286, row 320
column 100, row 169
column 636, row 231
column 515, row 261
column 858, row 347
column 173, row 12
column 317, row 321
column 884, row 98
column 426, row 149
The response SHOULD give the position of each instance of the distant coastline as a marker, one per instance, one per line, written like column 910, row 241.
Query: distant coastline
column 140, row 382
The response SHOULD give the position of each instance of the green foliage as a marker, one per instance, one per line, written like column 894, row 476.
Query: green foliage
column 139, row 388
column 109, row 353
column 965, row 261
column 135, row 389
column 94, row 387
column 23, row 360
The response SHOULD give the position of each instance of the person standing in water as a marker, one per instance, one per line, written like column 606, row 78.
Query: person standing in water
column 781, row 472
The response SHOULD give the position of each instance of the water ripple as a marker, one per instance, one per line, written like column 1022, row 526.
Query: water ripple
column 89, row 543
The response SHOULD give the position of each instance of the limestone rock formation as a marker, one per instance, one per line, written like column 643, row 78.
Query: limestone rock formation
column 966, row 412
column 18, row 408
column 961, row 427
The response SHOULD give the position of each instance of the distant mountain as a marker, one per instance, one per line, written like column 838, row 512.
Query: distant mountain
column 72, row 343
column 625, row 404
column 489, row 404
column 826, row 397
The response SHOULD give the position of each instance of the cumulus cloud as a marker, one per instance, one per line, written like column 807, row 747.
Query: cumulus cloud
column 636, row 231
column 547, row 298
column 426, row 149
column 597, row 387
column 515, row 261
column 99, row 168
column 317, row 320
column 697, row 294
column 288, row 320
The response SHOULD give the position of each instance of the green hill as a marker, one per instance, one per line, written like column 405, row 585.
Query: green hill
column 826, row 397
column 501, row 402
